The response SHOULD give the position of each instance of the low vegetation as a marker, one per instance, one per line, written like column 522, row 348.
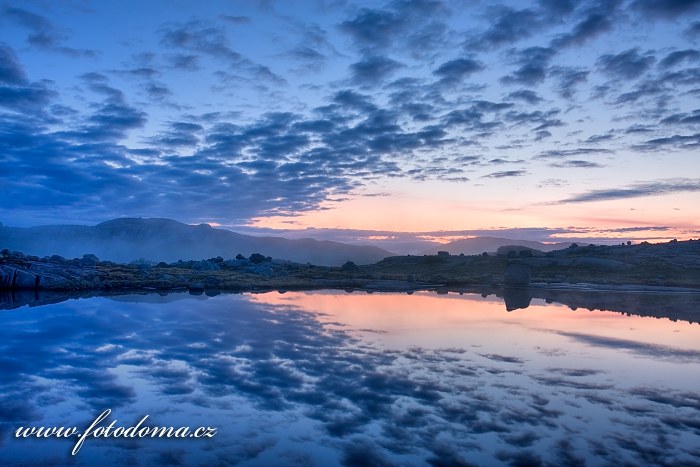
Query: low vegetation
column 672, row 264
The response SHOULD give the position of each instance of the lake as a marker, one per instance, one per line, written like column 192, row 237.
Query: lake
column 337, row 378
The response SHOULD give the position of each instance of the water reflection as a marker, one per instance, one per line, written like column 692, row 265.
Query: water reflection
column 334, row 378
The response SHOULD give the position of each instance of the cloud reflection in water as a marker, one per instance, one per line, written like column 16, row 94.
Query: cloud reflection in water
column 287, row 383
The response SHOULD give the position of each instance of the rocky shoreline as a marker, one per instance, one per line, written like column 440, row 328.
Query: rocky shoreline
column 672, row 264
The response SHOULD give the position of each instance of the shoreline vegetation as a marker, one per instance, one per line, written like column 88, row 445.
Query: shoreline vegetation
column 671, row 264
column 657, row 280
column 579, row 276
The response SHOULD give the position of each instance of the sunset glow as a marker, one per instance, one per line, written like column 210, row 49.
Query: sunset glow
column 404, row 116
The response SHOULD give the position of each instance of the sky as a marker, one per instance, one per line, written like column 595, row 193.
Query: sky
column 546, row 120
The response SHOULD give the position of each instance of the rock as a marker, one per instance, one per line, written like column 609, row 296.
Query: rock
column 517, row 274
column 443, row 253
column 7, row 273
column 257, row 258
column 53, row 282
column 512, row 251
column 17, row 255
column 89, row 260
column 24, row 280
column 516, row 298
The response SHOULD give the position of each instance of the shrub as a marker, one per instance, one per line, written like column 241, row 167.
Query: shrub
column 256, row 258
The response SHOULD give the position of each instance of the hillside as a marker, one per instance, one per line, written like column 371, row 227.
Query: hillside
column 478, row 245
column 129, row 239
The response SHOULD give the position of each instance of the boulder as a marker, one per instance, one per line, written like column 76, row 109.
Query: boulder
column 24, row 280
column 7, row 273
column 53, row 282
column 257, row 258
column 89, row 260
column 17, row 255
column 513, row 251
column 516, row 298
column 517, row 274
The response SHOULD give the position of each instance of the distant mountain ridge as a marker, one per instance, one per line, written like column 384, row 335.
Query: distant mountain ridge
column 478, row 245
column 155, row 239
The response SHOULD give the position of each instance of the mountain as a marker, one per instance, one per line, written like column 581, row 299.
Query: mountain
column 128, row 239
column 478, row 245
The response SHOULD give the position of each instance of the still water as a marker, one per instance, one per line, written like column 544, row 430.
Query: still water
column 336, row 378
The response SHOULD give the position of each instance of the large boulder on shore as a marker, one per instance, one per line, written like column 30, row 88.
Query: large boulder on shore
column 517, row 274
column 24, row 280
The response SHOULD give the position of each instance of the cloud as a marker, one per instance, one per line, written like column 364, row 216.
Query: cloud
column 542, row 134
column 638, row 190
column 508, row 25
column 576, row 164
column 42, row 33
column 505, row 173
column 237, row 19
column 11, row 71
column 16, row 92
column 29, row 98
column 563, row 153
column 599, row 18
column 569, row 78
column 533, row 63
column 674, row 141
column 308, row 55
column 179, row 134
column 679, row 56
column 691, row 118
column 401, row 23
column 373, row 70
column 640, row 348
column 666, row 8
column 456, row 70
column 282, row 163
column 198, row 36
column 526, row 95
column 186, row 62
column 372, row 27
column 693, row 30
column 628, row 65
column 542, row 119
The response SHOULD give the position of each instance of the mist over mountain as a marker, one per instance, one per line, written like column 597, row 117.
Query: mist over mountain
column 478, row 245
column 129, row 239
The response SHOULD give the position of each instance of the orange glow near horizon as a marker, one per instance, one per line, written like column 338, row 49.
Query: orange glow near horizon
column 413, row 214
column 412, row 318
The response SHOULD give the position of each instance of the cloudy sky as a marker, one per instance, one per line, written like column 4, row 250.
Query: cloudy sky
column 546, row 119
